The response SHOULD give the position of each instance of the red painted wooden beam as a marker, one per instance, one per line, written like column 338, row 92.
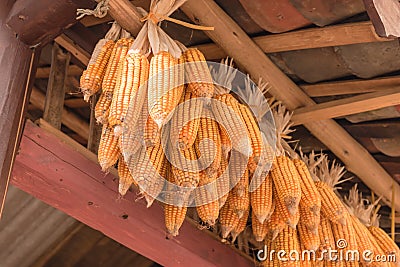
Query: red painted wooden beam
column 49, row 169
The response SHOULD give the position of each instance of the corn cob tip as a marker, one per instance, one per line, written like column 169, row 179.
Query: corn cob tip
column 274, row 234
column 118, row 130
column 149, row 200
column 211, row 172
column 240, row 213
column 262, row 217
column 123, row 188
column 86, row 97
column 240, row 191
column 292, row 225
column 225, row 230
column 234, row 235
column 292, row 204
column 259, row 238
column 342, row 221
column 312, row 228
column 174, row 231
column 210, row 222
column 244, row 146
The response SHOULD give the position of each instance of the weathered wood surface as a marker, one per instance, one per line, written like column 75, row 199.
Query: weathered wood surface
column 44, row 72
column 343, row 34
column 54, row 172
column 237, row 44
column 350, row 87
column 55, row 92
column 38, row 22
column 68, row 118
column 77, row 51
column 385, row 16
column 16, row 64
column 347, row 106
column 94, row 127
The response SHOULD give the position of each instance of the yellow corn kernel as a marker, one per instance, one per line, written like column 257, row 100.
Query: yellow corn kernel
column 226, row 111
column 287, row 183
column 260, row 230
column 240, row 226
column 92, row 77
column 184, row 120
column 166, row 84
column 223, row 183
column 287, row 240
column 255, row 136
column 108, row 152
column 207, row 205
column 226, row 144
column 208, row 145
column 261, row 199
column 125, row 177
column 346, row 232
column 309, row 239
column 130, row 93
column 198, row 75
column 228, row 220
column 387, row 244
column 331, row 206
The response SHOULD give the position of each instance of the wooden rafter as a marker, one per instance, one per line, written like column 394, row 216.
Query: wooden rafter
column 78, row 52
column 68, row 118
column 44, row 72
column 347, row 106
column 344, row 34
column 93, row 200
column 350, row 87
column 237, row 44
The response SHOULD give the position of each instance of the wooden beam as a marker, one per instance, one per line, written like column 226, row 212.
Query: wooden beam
column 78, row 52
column 55, row 93
column 75, row 103
column 44, row 72
column 235, row 42
column 344, row 34
column 17, row 68
column 93, row 200
column 38, row 22
column 347, row 106
column 126, row 15
column 350, row 87
column 385, row 16
column 68, row 118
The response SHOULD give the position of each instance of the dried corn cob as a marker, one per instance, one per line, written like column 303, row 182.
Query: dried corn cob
column 260, row 230
column 148, row 170
column 125, row 177
column 345, row 232
column 331, row 206
column 287, row 183
column 223, row 185
column 92, row 77
column 288, row 240
column 239, row 197
column 274, row 225
column 198, row 75
column 309, row 218
column 255, row 136
column 226, row 144
column 309, row 239
column 290, row 219
column 185, row 169
column 108, row 148
column 206, row 198
column 208, row 144
column 118, row 54
column 226, row 111
column 325, row 233
column 185, row 120
column 240, row 226
column 379, row 251
column 228, row 219
column 388, row 246
column 166, row 83
column 261, row 199
column 309, row 194
column 174, row 215
column 131, row 92
column 152, row 133
column 363, row 241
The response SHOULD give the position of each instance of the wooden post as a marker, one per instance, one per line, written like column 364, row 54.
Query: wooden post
column 17, row 64
column 94, row 128
column 55, row 94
